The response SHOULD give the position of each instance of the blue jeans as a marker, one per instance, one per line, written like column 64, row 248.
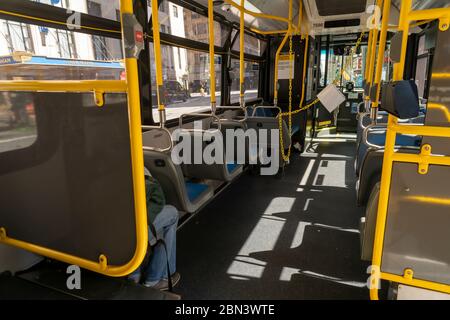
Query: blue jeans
column 166, row 227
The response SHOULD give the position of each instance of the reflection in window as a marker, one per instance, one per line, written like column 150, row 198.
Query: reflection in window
column 17, row 121
column 252, row 45
column 251, row 80
column 186, row 80
column 354, row 71
column 17, row 36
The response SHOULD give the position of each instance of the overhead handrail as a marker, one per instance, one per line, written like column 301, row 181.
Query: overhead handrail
column 423, row 159
column 131, row 87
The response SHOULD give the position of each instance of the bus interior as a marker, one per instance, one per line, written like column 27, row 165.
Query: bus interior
column 348, row 99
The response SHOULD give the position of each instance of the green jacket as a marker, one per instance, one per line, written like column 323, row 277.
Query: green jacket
column 155, row 198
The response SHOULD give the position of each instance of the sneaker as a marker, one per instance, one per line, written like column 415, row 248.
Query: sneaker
column 163, row 284
column 136, row 278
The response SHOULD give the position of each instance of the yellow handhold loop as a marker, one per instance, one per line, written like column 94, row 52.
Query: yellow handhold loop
column 99, row 98
column 103, row 261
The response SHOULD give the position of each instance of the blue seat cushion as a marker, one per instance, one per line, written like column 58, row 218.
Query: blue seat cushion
column 231, row 167
column 194, row 190
column 379, row 138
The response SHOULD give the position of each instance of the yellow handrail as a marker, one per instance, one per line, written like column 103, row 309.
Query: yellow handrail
column 241, row 57
column 65, row 86
column 373, row 50
column 212, row 67
column 423, row 159
column 158, row 60
column 131, row 86
column 277, row 55
column 381, row 51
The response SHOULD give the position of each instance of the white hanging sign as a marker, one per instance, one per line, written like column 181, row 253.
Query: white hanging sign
column 331, row 97
column 283, row 67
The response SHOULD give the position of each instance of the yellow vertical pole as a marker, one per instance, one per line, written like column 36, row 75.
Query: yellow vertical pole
column 300, row 17
column 388, row 154
column 368, row 56
column 373, row 50
column 277, row 55
column 241, row 56
column 381, row 52
column 137, row 158
column 212, row 67
column 158, row 62
column 305, row 60
column 277, row 60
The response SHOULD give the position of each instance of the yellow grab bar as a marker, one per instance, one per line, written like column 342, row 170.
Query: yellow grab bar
column 241, row 57
column 423, row 159
column 381, row 50
column 65, row 86
column 212, row 67
column 131, row 86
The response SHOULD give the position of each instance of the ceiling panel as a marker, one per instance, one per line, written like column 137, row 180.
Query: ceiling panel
column 339, row 7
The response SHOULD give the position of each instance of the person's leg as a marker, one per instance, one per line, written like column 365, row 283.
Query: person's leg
column 166, row 226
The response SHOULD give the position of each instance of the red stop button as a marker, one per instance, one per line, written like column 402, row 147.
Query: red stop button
column 139, row 35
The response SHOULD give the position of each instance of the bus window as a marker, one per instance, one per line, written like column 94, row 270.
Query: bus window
column 252, row 45
column 181, row 22
column 334, row 67
column 251, row 83
column 354, row 71
column 186, row 81
column 323, row 60
column 106, row 9
column 41, row 53
column 17, row 121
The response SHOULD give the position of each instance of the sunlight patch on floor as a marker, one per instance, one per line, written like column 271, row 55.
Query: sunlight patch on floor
column 263, row 238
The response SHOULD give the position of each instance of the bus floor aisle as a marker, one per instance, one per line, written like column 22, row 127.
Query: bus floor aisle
column 290, row 238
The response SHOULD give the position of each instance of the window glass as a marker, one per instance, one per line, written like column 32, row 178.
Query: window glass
column 252, row 45
column 186, row 80
column 353, row 71
column 421, row 47
column 17, row 121
column 323, row 61
column 251, row 83
column 181, row 22
column 334, row 67
column 107, row 8
column 52, row 54
column 421, row 75
column 338, row 58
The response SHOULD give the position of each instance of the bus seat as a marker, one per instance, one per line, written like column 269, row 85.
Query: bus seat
column 370, row 172
column 368, row 224
column 376, row 138
column 216, row 171
column 195, row 190
column 185, row 196
column 379, row 138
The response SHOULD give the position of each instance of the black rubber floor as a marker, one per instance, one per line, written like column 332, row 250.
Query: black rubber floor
column 270, row 238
